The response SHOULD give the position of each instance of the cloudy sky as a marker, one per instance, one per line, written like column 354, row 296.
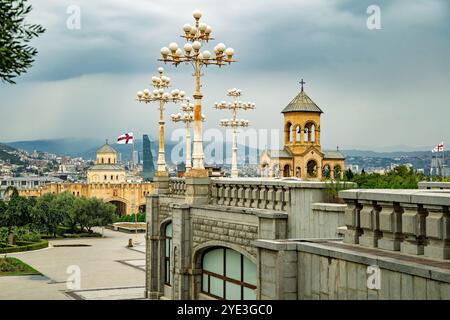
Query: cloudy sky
column 378, row 88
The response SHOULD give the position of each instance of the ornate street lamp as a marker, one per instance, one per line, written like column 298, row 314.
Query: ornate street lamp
column 160, row 83
column 234, row 122
column 196, row 35
column 187, row 117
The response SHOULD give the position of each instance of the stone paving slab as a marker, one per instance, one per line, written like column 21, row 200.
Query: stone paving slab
column 125, row 293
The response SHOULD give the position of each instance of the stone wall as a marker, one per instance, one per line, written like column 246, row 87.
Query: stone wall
column 335, row 271
column 228, row 228
column 326, row 219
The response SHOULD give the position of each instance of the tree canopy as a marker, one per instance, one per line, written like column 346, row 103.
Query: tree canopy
column 16, row 54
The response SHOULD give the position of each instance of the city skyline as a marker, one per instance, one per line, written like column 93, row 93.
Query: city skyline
column 363, row 79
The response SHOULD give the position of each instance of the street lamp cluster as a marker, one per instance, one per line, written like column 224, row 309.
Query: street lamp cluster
column 234, row 123
column 196, row 36
column 187, row 117
column 193, row 52
column 160, row 84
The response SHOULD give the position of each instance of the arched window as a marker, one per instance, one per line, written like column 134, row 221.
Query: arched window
column 286, row 171
column 227, row 274
column 337, row 171
column 105, row 177
column 326, row 172
column 298, row 133
column 167, row 254
column 102, row 160
column 117, row 177
column 288, row 136
column 112, row 177
column 311, row 168
column 312, row 133
column 109, row 160
column 306, row 134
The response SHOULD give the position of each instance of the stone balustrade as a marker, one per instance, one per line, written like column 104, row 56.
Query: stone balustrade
column 177, row 186
column 410, row 221
column 250, row 193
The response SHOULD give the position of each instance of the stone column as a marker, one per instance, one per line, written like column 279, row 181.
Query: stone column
column 352, row 221
column 437, row 232
column 161, row 183
column 391, row 226
column 154, row 287
column 413, row 226
column 182, row 243
column 370, row 223
column 197, row 190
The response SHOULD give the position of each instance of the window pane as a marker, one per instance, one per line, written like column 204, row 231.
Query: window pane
column 233, row 291
column 216, row 286
column 249, row 294
column 205, row 283
column 167, row 248
column 233, row 267
column 249, row 271
column 213, row 261
column 169, row 230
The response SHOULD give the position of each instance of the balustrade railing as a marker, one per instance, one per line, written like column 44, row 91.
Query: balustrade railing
column 274, row 195
column 410, row 221
column 177, row 186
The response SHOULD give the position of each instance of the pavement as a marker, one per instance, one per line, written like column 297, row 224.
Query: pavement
column 107, row 269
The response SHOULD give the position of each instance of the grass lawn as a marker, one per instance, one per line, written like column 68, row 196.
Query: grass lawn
column 15, row 267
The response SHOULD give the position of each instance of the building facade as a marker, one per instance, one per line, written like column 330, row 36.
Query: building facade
column 302, row 155
column 106, row 180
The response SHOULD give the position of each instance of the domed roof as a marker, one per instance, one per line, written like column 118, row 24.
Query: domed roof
column 106, row 148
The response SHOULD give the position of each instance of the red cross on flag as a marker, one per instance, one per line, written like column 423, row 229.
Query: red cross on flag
column 126, row 138
column 440, row 146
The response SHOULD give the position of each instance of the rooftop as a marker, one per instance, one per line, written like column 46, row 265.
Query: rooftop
column 302, row 103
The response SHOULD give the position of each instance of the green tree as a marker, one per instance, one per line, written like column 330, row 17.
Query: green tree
column 92, row 212
column 47, row 214
column 15, row 213
column 16, row 55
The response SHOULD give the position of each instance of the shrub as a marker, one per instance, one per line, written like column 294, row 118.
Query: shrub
column 25, row 246
column 26, row 234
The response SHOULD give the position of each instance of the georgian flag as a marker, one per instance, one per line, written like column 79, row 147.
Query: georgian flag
column 440, row 146
column 126, row 138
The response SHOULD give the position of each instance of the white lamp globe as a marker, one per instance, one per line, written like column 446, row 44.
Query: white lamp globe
column 188, row 47
column 155, row 92
column 166, row 95
column 193, row 30
column 208, row 30
column 165, row 51
column 187, row 27
column 179, row 52
column 206, row 54
column 161, row 91
column 197, row 14
column 202, row 27
column 160, row 69
column 175, row 92
column 220, row 47
column 173, row 46
column 196, row 45
column 146, row 91
column 229, row 52
column 182, row 93
column 139, row 94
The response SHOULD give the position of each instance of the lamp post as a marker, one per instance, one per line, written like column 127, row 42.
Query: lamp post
column 196, row 35
column 160, row 83
column 187, row 117
column 234, row 122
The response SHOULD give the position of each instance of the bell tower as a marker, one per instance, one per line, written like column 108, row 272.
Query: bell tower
column 301, row 123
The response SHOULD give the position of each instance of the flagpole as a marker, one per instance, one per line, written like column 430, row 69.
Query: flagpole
column 443, row 155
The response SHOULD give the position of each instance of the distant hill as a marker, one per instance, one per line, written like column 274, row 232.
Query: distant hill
column 395, row 154
column 6, row 154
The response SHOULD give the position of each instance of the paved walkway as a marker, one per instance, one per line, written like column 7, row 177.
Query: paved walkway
column 108, row 270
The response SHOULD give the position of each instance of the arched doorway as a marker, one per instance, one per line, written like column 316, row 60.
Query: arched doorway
column 311, row 168
column 228, row 274
column 121, row 207
column 337, row 171
column 142, row 208
column 287, row 171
